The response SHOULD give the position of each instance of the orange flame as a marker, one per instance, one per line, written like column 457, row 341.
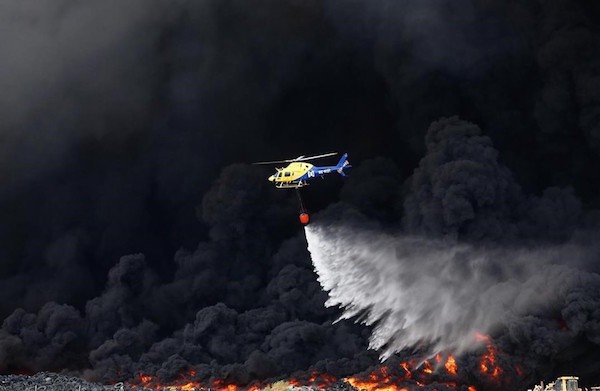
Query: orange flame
column 404, row 366
column 184, row 384
column 451, row 365
column 188, row 387
column 488, row 365
column 377, row 380
column 321, row 380
column 427, row 367
column 410, row 375
column 145, row 379
column 370, row 386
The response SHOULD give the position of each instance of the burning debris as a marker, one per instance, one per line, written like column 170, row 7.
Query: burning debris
column 48, row 381
column 488, row 365
column 442, row 372
column 381, row 380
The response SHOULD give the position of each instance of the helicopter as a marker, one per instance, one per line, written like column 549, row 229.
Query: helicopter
column 297, row 173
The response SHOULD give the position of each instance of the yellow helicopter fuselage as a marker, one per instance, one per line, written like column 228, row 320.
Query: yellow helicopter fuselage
column 292, row 175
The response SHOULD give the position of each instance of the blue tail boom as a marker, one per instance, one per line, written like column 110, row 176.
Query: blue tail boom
column 343, row 164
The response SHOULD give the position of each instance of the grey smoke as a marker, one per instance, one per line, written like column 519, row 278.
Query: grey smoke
column 435, row 295
column 50, row 101
column 116, row 119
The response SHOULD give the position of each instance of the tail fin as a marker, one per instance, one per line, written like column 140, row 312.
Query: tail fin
column 343, row 164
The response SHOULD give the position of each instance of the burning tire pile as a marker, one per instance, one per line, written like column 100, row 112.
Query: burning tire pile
column 46, row 381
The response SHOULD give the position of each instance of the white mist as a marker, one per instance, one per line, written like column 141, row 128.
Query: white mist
column 431, row 295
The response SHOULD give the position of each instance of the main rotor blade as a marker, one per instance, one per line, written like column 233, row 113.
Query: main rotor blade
column 302, row 158
column 298, row 159
column 276, row 161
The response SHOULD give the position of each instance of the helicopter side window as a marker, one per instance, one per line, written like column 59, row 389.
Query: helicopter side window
column 288, row 173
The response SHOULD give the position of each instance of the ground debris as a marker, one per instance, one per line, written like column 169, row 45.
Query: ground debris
column 47, row 381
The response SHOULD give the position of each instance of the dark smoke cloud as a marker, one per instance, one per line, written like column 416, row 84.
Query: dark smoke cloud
column 51, row 339
column 140, row 325
column 250, row 333
column 375, row 189
column 119, row 118
column 462, row 191
column 49, row 101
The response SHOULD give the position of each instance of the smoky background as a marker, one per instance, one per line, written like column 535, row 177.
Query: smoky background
column 133, row 240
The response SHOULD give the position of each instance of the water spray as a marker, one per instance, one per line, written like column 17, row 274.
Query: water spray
column 430, row 295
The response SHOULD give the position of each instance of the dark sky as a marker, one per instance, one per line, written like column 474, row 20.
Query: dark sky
column 127, row 128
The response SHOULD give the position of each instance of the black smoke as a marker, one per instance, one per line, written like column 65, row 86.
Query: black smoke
column 130, row 241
